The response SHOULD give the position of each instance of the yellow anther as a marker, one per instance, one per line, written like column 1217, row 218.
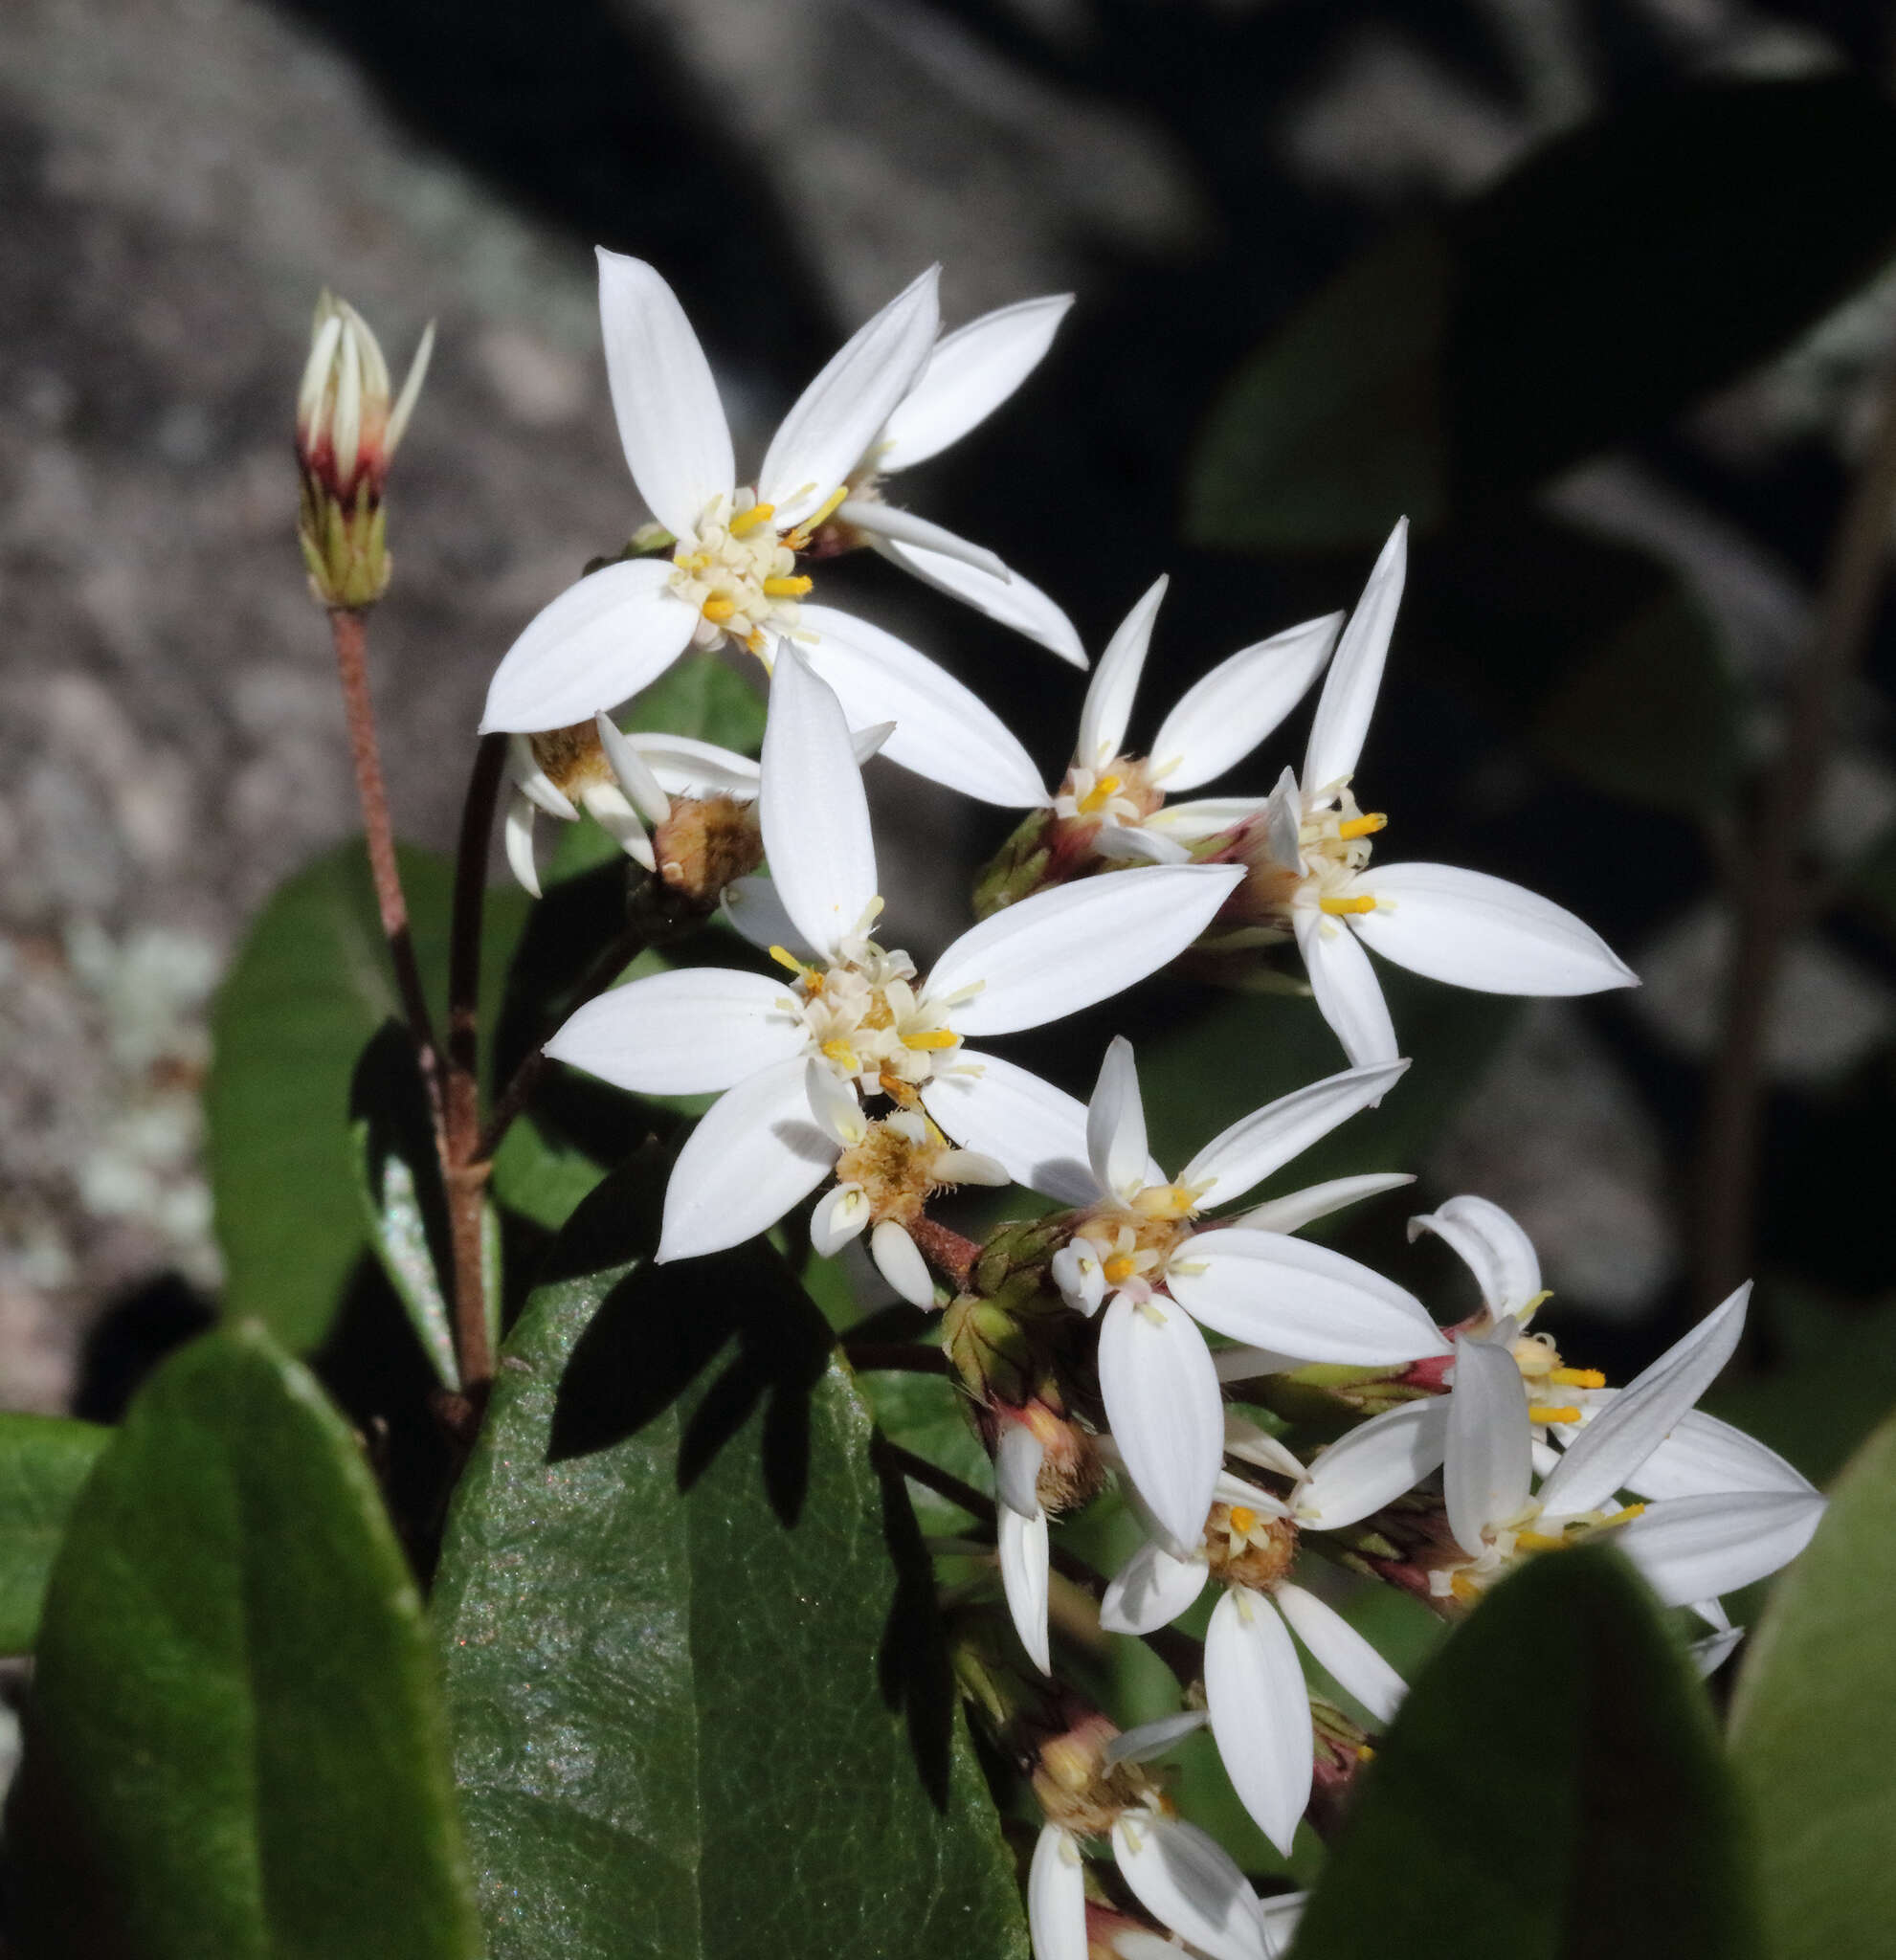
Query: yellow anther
column 790, row 960
column 1365, row 1754
column 1099, row 795
column 1577, row 1378
column 1541, row 1411
column 1242, row 1517
column 843, row 1056
column 932, row 1038
column 1624, row 1517
column 801, row 536
column 1120, row 1268
column 748, row 520
column 1338, row 906
column 1463, row 1588
column 1540, row 1541
column 1363, row 826
column 718, row 608
column 788, row 588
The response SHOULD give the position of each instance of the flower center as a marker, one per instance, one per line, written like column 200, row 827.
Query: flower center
column 1333, row 839
column 738, row 572
column 1248, row 1547
column 1508, row 1542
column 1122, row 791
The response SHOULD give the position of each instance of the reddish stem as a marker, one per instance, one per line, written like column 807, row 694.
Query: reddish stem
column 947, row 1251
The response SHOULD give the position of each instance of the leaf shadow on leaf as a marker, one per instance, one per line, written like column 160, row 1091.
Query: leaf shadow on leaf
column 912, row 1668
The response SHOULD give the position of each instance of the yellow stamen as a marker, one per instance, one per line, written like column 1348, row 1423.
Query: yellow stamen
column 788, row 588
column 1577, row 1378
column 1119, row 1268
column 1365, row 1754
column 1541, row 1411
column 1242, row 1517
column 1463, row 1588
column 1540, row 1541
column 754, row 644
column 932, row 1038
column 1365, row 904
column 842, row 1054
column 807, row 529
column 1363, row 826
column 1099, row 795
column 1624, row 1517
column 748, row 520
column 717, row 609
column 790, row 960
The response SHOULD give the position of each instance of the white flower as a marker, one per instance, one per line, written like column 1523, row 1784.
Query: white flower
column 1166, row 1276
column 1311, row 844
column 794, row 1061
column 731, row 575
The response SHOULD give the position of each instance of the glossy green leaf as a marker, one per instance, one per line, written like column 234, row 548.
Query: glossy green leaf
column 235, row 1745
column 542, row 1178
column 1552, row 1789
column 44, row 1462
column 1814, row 1727
column 700, row 1706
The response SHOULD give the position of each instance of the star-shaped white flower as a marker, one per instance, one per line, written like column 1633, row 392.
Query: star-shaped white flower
column 732, row 572
column 794, row 1059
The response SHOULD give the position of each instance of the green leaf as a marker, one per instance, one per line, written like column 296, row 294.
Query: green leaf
column 44, row 1460
column 540, row 1176
column 234, row 1743
column 700, row 1702
column 1814, row 1727
column 1553, row 1787
column 706, row 699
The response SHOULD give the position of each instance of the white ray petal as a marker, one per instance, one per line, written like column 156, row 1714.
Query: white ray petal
column 1135, row 845
column 1355, row 676
column 1297, row 1209
column 1115, row 682
column 1472, row 930
column 1345, row 984
column 814, row 815
column 754, row 907
column 1151, row 1589
column 683, row 1033
column 1695, row 1547
column 610, row 808
column 671, row 422
column 1078, row 1277
column 837, row 416
column 1246, row 1363
column 1703, row 1456
column 518, row 840
column 1057, row 1897
column 1039, row 1132
column 533, row 782
column 835, row 1104
column 1116, row 1123
column 642, row 788
column 1014, row 602
column 1491, row 1245
column 1280, row 1913
column 1163, row 1407
column 1244, row 1439
column 967, row 375
column 1335, row 1645
column 1712, row 1653
column 880, row 520
column 754, row 1153
column 595, row 645
column 900, row 1261
column 1153, row 1739
column 1486, row 1475
column 1286, row 1294
column 1018, row 1464
column 1260, row 1712
column 1023, row 1561
column 942, row 730
column 1063, row 949
column 1374, row 1463
column 1188, row 1881
column 840, row 1215
column 1205, row 817
column 1222, row 718
column 1238, row 1159
column 685, row 767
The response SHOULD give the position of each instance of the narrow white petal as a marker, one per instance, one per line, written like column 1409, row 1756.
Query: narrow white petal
column 1712, row 1653
column 1260, row 1712
column 642, row 788
column 1244, row 1364
column 682, row 766
column 1205, row 817
column 1039, row 1132
column 1491, row 1245
column 1188, row 1881
column 1244, row 1439
column 1335, row 1645
column 1274, row 1291
column 1116, row 1123
column 754, row 907
column 835, row 1104
column 1063, row 949
column 1057, row 1897
column 1134, row 845
column 1153, row 1739
column 1280, row 1914
column 901, row 1264
column 671, row 422
column 1022, row 1544
column 1345, row 984
column 1238, row 1159
column 1374, row 1463
column 1712, row 1611
column 942, row 730
column 967, row 375
column 1222, row 718
column 1017, row 1469
column 533, row 782
column 1355, row 676
column 1115, row 682
column 840, row 1215
column 1163, row 1407
column 1297, row 1209
column 608, row 807
column 1486, row 1475
column 518, row 839
column 682, row 1033
column 1014, row 601
column 881, row 519
column 1472, row 930
column 754, row 1153
column 814, row 815
column 597, row 644
column 1151, row 1589
column 1695, row 1547
column 1078, row 1277
column 1610, row 1449
column 1703, row 1456
column 838, row 415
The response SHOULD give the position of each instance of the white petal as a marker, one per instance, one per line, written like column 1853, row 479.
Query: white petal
column 1023, row 1561
column 1242, row 1157
column 1491, row 1245
column 1063, row 949
column 1163, row 1407
column 837, row 416
column 1017, row 1469
column 682, row 1033
column 1013, row 601
column 518, row 839
column 671, row 422
column 968, row 374
column 880, row 520
column 1151, row 1589
column 685, row 767
column 1297, row 1209
column 1222, row 718
column 1286, row 1294
column 1244, row 1439
column 1486, row 1475
column 598, row 643
column 644, row 790
column 835, row 1104
column 1355, row 676
column 534, row 783
column 754, row 1153
column 1712, row 1653
column 942, row 731
column 1132, row 845
column 754, row 907
column 1374, row 1463
column 1260, row 1712
column 1336, row 1646
column 610, row 808
column 1039, row 1132
column 816, row 819
column 1346, row 986
column 901, row 1264
column 1245, row 1364
column 1694, row 1548
column 1205, row 817
column 1152, row 1739
column 1613, row 1447
column 1109, row 705
column 1712, row 1611
column 1188, row 1881
column 1077, row 1276
column 1116, row 1123
column 1057, row 1897
column 1280, row 1913
column 840, row 1215
column 1703, row 1456
column 1472, row 930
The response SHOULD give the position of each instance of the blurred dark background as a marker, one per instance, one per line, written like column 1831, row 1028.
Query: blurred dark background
column 1613, row 300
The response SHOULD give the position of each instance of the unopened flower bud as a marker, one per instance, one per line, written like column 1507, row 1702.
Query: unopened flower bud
column 706, row 845
column 347, row 431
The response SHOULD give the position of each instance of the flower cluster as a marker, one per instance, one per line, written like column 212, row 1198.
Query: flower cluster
column 1098, row 1342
